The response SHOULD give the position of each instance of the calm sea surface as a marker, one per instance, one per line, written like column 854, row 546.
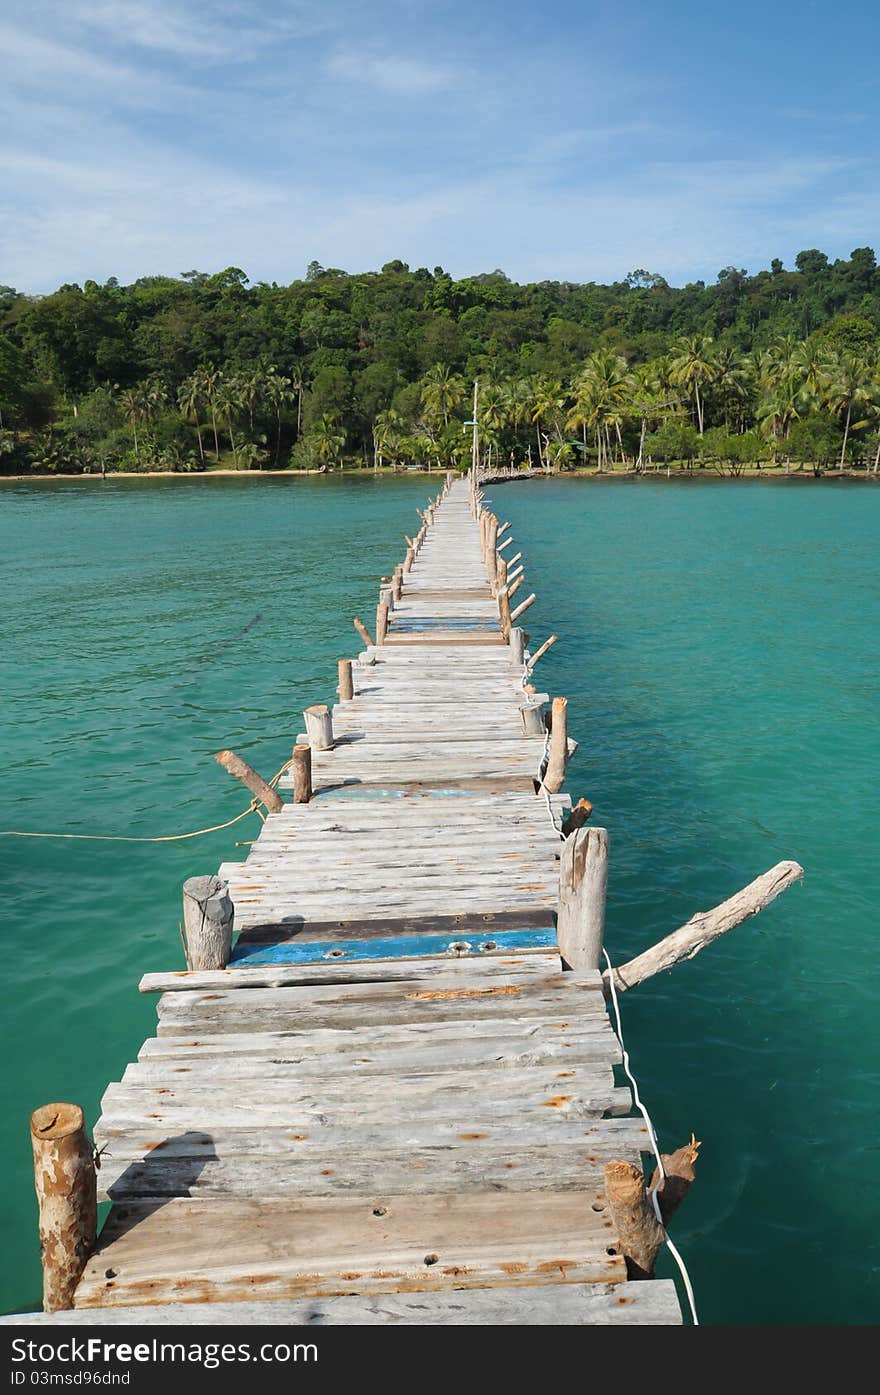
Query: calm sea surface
column 719, row 647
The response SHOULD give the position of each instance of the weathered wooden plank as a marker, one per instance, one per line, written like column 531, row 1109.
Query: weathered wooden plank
column 560, row 1167
column 570, row 1305
column 193, row 1250
column 505, row 966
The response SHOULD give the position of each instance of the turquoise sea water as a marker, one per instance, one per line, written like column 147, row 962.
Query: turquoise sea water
column 719, row 647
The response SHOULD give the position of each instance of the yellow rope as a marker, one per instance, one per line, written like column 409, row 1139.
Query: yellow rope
column 253, row 808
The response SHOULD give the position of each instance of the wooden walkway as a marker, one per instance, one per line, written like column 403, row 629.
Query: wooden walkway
column 393, row 1105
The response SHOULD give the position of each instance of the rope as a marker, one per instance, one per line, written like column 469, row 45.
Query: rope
column 253, row 808
column 653, row 1136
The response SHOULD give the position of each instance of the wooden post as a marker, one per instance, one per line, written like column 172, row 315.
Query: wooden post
column 635, row 1220
column 583, row 879
column 408, row 560
column 381, row 622
column 523, row 606
column 64, row 1179
column 207, row 923
column 501, row 570
column 504, row 527
column 504, row 612
column 554, row 777
column 491, row 554
column 248, row 776
column 397, row 583
column 302, row 773
column 517, row 645
column 319, row 725
column 364, row 633
column 577, row 816
column 638, row 1230
column 507, row 542
column 532, row 718
column 514, row 587
column 346, row 683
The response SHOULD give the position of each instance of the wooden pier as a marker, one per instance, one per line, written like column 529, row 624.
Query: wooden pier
column 395, row 1103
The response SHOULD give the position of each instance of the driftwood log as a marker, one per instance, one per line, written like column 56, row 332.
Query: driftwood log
column 705, row 926
column 256, row 784
column 639, row 1232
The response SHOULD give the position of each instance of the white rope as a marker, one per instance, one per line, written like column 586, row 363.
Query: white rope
column 685, row 1277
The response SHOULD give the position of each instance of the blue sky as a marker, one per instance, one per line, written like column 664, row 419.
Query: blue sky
column 560, row 140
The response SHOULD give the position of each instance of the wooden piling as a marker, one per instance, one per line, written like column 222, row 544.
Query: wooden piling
column 532, row 717
column 319, row 725
column 346, row 682
column 539, row 653
column 504, row 612
column 554, row 776
column 381, row 622
column 517, row 645
column 583, row 880
column 64, row 1179
column 207, row 923
column 256, row 784
column 302, row 773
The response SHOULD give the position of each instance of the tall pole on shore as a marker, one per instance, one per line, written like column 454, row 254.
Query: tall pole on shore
column 475, row 448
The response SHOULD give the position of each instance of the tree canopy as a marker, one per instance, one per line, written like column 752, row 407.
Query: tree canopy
column 373, row 368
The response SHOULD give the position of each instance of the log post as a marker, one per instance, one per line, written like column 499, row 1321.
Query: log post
column 532, row 717
column 507, row 543
column 256, row 784
column 514, row 587
column 577, row 817
column 64, row 1179
column 632, row 1210
column 523, row 606
column 207, row 923
column 504, row 612
column 319, row 725
column 491, row 554
column 364, row 633
column 501, row 571
column 517, row 645
column 381, row 622
column 346, row 682
column 583, row 880
column 397, row 583
column 302, row 773
column 639, row 1232
column 554, row 776
column 408, row 560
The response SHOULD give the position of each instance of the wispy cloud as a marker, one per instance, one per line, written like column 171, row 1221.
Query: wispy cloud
column 393, row 73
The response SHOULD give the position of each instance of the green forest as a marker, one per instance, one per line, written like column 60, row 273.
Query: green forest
column 777, row 370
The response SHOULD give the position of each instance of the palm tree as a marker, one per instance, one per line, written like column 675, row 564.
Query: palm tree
column 250, row 386
column 386, row 435
column 849, row 386
column 298, row 383
column 601, row 392
column 442, row 392
column 228, row 403
column 209, row 380
column 189, row 400
column 131, row 401
column 329, row 440
column 694, row 365
column 548, row 402
column 277, row 393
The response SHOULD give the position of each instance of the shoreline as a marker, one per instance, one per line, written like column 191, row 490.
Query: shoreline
column 605, row 476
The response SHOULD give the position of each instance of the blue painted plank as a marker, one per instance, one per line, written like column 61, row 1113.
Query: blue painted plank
column 392, row 947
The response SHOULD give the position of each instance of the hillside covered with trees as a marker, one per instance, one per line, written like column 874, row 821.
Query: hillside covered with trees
column 377, row 369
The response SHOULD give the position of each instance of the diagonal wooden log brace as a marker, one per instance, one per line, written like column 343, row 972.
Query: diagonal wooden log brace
column 248, row 776
column 704, row 927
